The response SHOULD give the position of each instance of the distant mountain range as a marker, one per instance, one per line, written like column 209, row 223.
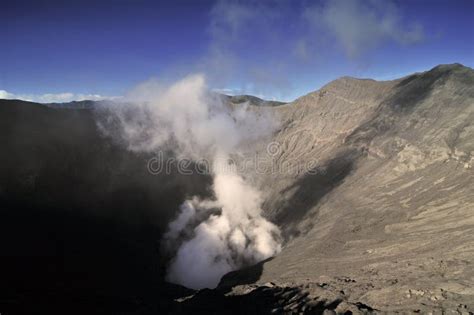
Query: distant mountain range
column 236, row 99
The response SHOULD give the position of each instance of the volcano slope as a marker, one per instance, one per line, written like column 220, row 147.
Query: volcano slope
column 384, row 219
column 371, row 184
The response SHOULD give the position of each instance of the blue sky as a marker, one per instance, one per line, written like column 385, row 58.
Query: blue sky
column 64, row 50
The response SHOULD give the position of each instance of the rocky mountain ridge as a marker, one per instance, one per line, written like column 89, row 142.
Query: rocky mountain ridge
column 387, row 219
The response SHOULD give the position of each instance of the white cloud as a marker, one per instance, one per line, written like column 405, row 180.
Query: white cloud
column 297, row 35
column 229, row 19
column 235, row 24
column 53, row 97
column 360, row 26
column 5, row 95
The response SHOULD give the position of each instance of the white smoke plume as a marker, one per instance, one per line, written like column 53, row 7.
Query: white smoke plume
column 208, row 238
column 236, row 236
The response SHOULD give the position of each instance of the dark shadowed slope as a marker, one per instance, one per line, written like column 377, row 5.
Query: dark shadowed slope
column 81, row 217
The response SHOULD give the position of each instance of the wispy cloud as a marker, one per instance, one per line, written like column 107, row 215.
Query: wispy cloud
column 297, row 35
column 54, row 97
column 361, row 26
column 252, row 24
